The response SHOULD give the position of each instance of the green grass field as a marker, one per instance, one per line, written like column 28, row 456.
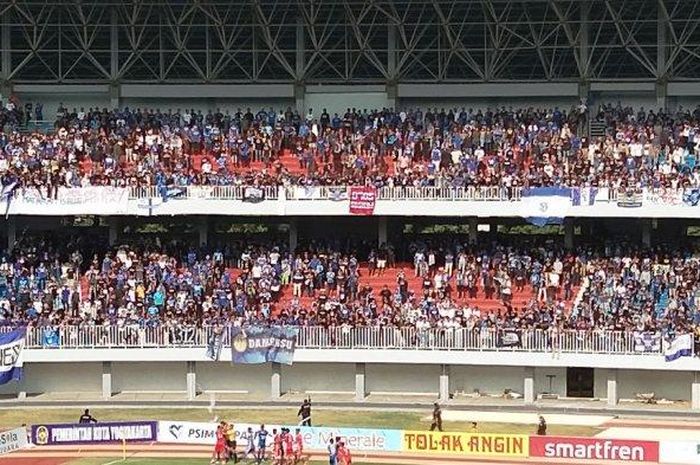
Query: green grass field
column 321, row 417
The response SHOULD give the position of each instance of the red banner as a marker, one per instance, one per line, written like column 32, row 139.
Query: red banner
column 594, row 449
column 362, row 200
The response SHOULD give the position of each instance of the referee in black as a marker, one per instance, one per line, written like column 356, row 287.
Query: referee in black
column 305, row 412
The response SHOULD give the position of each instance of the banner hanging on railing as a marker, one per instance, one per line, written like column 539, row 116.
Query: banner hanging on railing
column 11, row 345
column 253, row 194
column 94, row 200
column 545, row 205
column 363, row 199
column 691, row 197
column 647, row 342
column 508, row 338
column 261, row 344
column 630, row 198
column 679, row 346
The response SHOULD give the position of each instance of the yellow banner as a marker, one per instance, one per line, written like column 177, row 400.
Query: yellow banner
column 498, row 445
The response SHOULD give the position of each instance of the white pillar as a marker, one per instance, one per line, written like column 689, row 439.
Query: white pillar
column 360, row 382
column 445, row 383
column 115, row 96
column 391, row 86
column 382, row 230
column 276, row 381
column 203, row 229
column 22, row 391
column 191, row 380
column 293, row 235
column 529, row 385
column 113, row 224
column 612, row 387
column 695, row 391
column 646, row 232
column 300, row 99
column 106, row 380
column 473, row 230
column 11, row 233
column 569, row 233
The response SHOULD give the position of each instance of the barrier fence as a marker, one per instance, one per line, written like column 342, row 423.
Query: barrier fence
column 459, row 339
column 665, row 196
column 373, row 441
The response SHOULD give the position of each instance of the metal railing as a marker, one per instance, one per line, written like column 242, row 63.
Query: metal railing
column 458, row 339
column 664, row 196
column 201, row 192
column 492, row 193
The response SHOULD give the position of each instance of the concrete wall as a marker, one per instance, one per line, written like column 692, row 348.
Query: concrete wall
column 485, row 379
column 319, row 97
column 318, row 377
column 72, row 377
column 51, row 101
column 206, row 104
column 147, row 376
column 338, row 102
column 402, row 378
column 476, row 103
column 670, row 385
column 223, row 376
column 57, row 377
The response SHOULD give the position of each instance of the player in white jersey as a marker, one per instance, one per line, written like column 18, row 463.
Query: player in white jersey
column 249, row 437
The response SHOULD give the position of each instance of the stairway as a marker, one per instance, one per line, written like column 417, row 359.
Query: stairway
column 597, row 129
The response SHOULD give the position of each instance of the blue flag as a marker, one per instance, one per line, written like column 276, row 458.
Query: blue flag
column 50, row 338
column 583, row 196
column 679, row 346
column 545, row 205
column 11, row 345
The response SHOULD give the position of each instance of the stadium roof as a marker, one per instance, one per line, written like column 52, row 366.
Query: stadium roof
column 328, row 41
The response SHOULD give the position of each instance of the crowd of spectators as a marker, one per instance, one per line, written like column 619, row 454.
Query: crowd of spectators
column 463, row 147
column 448, row 285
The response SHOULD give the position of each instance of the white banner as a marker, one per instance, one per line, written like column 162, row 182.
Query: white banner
column 187, row 432
column 70, row 201
column 681, row 452
column 307, row 193
column 315, row 438
column 12, row 440
column 680, row 346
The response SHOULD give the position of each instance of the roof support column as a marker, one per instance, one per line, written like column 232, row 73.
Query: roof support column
column 300, row 67
column 661, row 55
column 391, row 84
column 5, row 57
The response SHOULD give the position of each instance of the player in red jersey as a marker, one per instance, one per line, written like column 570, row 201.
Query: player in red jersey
column 344, row 456
column 277, row 447
column 287, row 445
column 298, row 448
column 220, row 454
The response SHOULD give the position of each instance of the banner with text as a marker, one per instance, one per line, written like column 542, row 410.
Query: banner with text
column 363, row 199
column 594, row 449
column 261, row 344
column 315, row 438
column 466, row 444
column 11, row 345
column 12, row 440
column 95, row 200
column 132, row 431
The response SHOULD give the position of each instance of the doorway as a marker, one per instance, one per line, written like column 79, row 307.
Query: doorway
column 579, row 382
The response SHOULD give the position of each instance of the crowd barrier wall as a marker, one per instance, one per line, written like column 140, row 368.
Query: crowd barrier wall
column 452, row 444
column 368, row 440
column 431, row 201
